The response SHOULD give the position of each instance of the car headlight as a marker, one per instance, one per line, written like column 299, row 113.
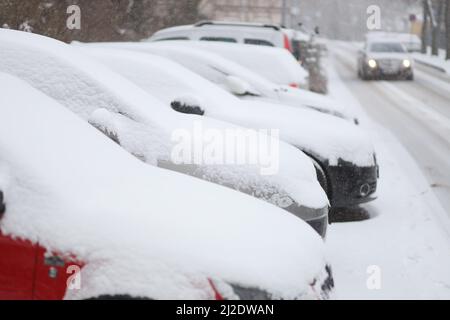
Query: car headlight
column 372, row 63
column 406, row 63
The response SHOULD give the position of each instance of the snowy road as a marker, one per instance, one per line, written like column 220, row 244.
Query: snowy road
column 405, row 245
column 417, row 113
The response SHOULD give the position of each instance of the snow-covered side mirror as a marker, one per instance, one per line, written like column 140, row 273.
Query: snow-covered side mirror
column 188, row 104
column 238, row 86
column 103, row 120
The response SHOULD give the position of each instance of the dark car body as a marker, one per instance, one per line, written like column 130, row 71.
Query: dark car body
column 384, row 60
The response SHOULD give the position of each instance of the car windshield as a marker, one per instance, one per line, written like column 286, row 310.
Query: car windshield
column 386, row 47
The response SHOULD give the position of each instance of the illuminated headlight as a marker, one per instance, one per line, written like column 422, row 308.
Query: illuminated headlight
column 372, row 63
column 406, row 63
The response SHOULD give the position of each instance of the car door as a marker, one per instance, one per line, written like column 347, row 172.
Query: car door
column 17, row 267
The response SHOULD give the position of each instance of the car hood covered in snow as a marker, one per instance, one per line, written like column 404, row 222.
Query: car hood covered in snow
column 96, row 93
column 329, row 138
column 321, row 135
column 140, row 230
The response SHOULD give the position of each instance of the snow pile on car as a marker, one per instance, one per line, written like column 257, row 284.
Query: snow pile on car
column 140, row 230
column 90, row 89
column 330, row 137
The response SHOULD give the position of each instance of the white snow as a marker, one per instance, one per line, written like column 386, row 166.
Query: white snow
column 275, row 64
column 85, row 87
column 407, row 237
column 419, row 110
column 217, row 70
column 319, row 134
column 140, row 230
column 437, row 62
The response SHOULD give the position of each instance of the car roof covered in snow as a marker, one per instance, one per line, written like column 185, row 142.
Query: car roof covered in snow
column 87, row 87
column 140, row 230
column 275, row 64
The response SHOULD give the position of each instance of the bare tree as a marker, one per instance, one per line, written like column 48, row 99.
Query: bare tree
column 101, row 20
column 439, row 5
column 425, row 26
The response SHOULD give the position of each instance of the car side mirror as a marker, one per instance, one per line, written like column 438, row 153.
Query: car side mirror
column 103, row 120
column 238, row 86
column 2, row 204
column 188, row 105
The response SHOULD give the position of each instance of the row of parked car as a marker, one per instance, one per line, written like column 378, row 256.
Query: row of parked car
column 93, row 204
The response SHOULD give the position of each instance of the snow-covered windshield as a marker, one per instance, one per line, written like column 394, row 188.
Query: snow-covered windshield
column 387, row 47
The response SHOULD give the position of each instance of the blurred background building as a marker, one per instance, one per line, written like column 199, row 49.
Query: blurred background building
column 268, row 11
column 119, row 20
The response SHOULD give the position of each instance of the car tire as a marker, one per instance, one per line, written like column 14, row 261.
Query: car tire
column 410, row 77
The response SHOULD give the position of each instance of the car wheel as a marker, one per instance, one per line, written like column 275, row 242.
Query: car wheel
column 410, row 77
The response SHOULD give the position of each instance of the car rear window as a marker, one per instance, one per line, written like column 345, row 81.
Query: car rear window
column 219, row 39
column 259, row 42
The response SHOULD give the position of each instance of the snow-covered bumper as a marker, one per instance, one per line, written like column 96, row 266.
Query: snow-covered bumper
column 352, row 185
column 321, row 288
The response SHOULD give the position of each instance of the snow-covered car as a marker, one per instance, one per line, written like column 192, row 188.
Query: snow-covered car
column 241, row 81
column 80, row 218
column 275, row 64
column 151, row 131
column 384, row 58
column 260, row 34
column 343, row 154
